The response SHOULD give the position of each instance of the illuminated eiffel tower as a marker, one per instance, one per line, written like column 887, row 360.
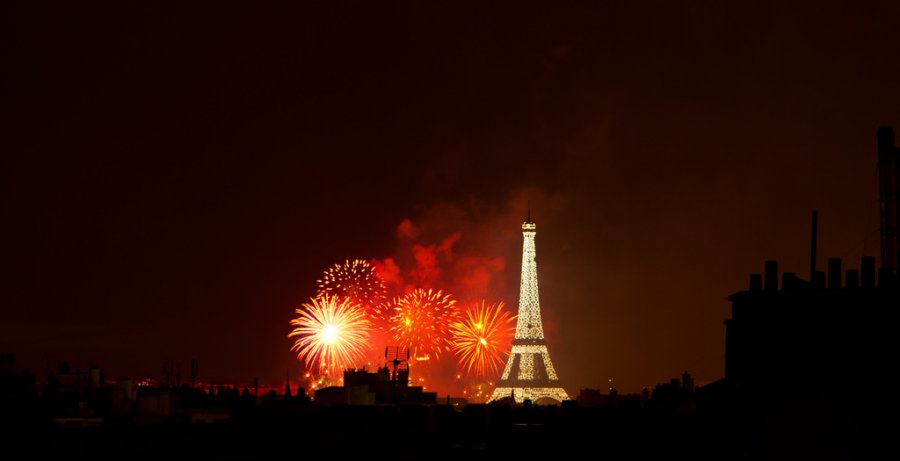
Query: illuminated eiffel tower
column 529, row 373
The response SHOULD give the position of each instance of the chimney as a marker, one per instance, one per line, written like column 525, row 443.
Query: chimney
column 888, row 179
column 771, row 276
column 834, row 273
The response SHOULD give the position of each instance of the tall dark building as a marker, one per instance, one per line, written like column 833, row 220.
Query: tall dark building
column 889, row 188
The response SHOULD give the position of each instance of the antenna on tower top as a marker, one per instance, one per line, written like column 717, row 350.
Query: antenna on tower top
column 529, row 212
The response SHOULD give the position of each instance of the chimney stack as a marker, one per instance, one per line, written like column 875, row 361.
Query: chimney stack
column 770, row 276
column 834, row 273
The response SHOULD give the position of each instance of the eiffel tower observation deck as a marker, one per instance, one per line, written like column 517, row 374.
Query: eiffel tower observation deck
column 529, row 373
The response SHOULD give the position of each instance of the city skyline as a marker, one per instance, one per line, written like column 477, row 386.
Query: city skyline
column 177, row 181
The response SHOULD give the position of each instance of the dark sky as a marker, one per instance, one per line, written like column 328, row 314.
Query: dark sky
column 175, row 178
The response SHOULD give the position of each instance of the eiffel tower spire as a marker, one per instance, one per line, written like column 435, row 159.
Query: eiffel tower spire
column 529, row 373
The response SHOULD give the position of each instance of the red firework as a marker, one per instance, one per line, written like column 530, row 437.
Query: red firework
column 421, row 319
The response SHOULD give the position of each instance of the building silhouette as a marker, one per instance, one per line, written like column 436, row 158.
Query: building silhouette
column 806, row 359
column 382, row 387
column 825, row 334
column 529, row 373
column 831, row 330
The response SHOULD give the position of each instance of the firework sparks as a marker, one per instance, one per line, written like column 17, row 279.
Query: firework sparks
column 332, row 333
column 481, row 339
column 355, row 280
column 421, row 319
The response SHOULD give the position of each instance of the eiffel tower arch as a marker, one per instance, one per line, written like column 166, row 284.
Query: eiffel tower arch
column 529, row 372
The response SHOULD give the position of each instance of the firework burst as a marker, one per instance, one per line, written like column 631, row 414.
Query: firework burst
column 332, row 333
column 421, row 319
column 355, row 280
column 481, row 339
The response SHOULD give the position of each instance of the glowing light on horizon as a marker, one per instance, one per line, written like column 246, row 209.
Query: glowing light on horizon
column 332, row 333
column 519, row 394
column 480, row 340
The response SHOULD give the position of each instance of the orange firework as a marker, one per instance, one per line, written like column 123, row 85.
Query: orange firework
column 355, row 280
column 332, row 333
column 481, row 340
column 420, row 320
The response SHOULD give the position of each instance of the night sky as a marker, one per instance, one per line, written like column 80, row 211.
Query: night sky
column 175, row 178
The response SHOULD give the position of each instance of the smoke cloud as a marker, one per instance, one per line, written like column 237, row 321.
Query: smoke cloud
column 471, row 250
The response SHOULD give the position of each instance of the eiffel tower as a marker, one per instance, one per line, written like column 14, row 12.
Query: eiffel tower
column 529, row 373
